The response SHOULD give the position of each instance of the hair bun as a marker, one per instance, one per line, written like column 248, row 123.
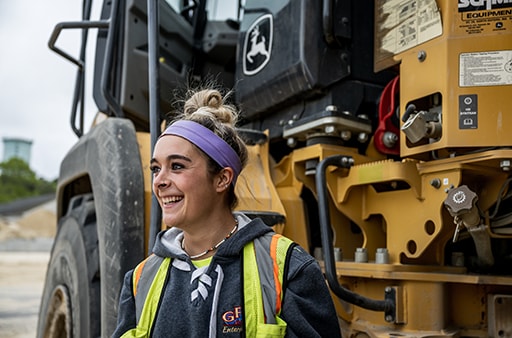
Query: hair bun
column 209, row 103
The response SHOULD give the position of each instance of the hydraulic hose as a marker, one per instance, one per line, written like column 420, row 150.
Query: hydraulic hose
column 388, row 305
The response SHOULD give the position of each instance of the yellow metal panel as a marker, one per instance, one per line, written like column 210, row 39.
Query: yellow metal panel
column 144, row 140
column 443, row 68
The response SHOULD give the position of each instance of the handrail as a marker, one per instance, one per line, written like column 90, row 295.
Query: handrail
column 327, row 22
column 108, row 62
column 154, row 108
column 73, row 25
column 389, row 304
column 80, row 63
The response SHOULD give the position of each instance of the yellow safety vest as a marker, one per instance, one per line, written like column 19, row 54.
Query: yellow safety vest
column 264, row 261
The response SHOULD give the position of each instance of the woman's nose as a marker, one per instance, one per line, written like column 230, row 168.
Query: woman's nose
column 159, row 181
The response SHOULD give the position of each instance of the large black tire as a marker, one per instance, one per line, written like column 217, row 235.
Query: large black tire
column 70, row 304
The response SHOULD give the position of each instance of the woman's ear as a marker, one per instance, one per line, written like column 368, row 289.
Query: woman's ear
column 224, row 179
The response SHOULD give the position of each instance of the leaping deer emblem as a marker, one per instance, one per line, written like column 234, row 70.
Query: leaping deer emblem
column 257, row 47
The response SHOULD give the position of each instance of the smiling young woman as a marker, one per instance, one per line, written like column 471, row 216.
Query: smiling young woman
column 215, row 272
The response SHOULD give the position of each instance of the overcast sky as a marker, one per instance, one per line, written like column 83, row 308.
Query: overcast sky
column 36, row 84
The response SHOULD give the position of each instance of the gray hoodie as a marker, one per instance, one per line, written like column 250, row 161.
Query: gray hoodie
column 208, row 301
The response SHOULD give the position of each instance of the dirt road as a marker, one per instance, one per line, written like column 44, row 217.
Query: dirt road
column 21, row 283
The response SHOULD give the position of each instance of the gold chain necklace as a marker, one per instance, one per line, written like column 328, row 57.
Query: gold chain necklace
column 213, row 248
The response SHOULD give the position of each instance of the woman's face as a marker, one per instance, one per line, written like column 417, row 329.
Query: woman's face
column 181, row 182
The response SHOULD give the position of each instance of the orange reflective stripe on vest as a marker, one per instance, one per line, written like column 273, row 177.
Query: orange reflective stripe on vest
column 276, row 270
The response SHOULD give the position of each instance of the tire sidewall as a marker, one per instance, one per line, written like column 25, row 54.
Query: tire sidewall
column 68, row 268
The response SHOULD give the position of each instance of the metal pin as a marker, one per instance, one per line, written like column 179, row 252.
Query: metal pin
column 457, row 230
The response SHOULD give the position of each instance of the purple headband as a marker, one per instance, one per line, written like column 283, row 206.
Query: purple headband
column 209, row 142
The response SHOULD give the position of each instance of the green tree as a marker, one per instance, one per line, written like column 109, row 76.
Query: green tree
column 17, row 180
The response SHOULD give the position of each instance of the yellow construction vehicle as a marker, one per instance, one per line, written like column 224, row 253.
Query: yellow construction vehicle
column 380, row 140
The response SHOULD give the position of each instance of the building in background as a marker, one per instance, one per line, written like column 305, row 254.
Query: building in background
column 17, row 147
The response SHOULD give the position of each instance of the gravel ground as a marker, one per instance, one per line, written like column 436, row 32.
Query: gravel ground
column 25, row 245
column 22, row 276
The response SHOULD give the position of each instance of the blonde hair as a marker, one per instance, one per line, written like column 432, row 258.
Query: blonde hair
column 209, row 103
column 208, row 108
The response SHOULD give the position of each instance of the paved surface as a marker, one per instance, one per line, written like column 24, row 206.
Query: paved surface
column 21, row 283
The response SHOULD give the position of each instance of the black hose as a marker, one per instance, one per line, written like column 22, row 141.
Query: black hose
column 387, row 305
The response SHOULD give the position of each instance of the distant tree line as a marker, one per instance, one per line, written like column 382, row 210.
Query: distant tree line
column 17, row 181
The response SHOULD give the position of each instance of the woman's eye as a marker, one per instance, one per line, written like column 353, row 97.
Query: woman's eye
column 176, row 166
column 154, row 170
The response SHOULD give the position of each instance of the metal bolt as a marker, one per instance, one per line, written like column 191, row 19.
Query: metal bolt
column 436, row 183
column 361, row 255
column 422, row 55
column 382, row 256
column 389, row 139
column 330, row 129
column 389, row 318
column 505, row 165
column 362, row 137
column 338, row 254
column 447, row 190
column 331, row 108
column 347, row 161
column 291, row 142
column 346, row 135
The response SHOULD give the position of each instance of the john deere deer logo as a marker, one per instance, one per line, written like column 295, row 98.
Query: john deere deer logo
column 257, row 45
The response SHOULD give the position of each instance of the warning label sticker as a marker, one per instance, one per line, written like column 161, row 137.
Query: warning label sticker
column 403, row 24
column 493, row 68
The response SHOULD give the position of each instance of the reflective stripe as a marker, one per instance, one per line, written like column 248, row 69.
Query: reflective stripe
column 279, row 251
column 264, row 262
column 253, row 306
column 268, row 271
column 278, row 277
column 136, row 275
column 264, row 269
column 147, row 270
column 151, row 299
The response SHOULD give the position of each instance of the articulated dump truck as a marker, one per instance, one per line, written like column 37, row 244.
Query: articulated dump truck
column 380, row 137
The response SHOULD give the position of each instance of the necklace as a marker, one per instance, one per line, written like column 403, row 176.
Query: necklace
column 213, row 248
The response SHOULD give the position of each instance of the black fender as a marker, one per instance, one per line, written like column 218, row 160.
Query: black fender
column 109, row 156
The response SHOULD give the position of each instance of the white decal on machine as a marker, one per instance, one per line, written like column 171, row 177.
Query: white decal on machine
column 404, row 24
column 258, row 45
column 492, row 68
column 474, row 5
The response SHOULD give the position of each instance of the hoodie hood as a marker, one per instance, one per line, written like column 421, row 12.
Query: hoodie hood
column 168, row 242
